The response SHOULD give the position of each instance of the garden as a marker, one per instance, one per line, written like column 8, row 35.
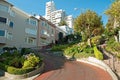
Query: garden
column 80, row 49
column 19, row 62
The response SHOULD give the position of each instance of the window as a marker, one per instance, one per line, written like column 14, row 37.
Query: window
column 9, row 36
column 44, row 32
column 30, row 40
column 31, row 31
column 2, row 33
column 3, row 20
column 43, row 23
column 12, row 13
column 4, row 8
column 32, row 22
column 11, row 24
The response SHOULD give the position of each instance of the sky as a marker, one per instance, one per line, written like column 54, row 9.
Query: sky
column 38, row 6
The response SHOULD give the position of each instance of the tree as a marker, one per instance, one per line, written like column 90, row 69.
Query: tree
column 87, row 23
column 114, row 13
column 62, row 23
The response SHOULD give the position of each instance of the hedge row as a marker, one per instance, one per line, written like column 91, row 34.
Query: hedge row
column 13, row 70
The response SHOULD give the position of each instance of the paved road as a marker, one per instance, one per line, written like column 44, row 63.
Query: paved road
column 58, row 68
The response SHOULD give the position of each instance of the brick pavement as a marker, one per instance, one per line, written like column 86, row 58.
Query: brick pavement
column 58, row 68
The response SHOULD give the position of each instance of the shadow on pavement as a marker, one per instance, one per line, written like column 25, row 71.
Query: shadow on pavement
column 53, row 61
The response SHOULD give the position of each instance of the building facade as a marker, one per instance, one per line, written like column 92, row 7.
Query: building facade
column 56, row 16
column 50, row 7
column 17, row 28
column 20, row 29
column 46, row 32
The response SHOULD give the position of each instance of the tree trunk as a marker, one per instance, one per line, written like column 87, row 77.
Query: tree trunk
column 115, row 26
column 89, row 42
column 116, row 38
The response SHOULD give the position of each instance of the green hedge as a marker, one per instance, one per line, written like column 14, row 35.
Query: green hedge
column 18, row 71
column 14, row 70
column 3, row 66
column 98, row 54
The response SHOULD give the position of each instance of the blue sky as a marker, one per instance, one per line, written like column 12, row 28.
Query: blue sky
column 38, row 6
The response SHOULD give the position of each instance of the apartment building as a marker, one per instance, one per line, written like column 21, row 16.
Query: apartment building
column 50, row 7
column 46, row 32
column 56, row 16
column 69, row 20
column 20, row 29
column 17, row 28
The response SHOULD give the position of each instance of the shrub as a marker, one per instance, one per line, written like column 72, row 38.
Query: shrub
column 16, row 53
column 31, row 61
column 3, row 66
column 18, row 71
column 59, row 47
column 25, row 51
column 6, row 49
column 15, row 62
column 6, row 54
column 88, row 49
column 98, row 54
column 14, row 70
column 118, row 55
column 84, row 55
column 95, row 40
column 113, row 46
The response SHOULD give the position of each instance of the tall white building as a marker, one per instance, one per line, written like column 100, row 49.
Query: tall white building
column 69, row 20
column 50, row 7
column 56, row 16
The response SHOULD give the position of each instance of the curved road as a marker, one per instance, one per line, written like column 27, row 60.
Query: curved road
column 58, row 68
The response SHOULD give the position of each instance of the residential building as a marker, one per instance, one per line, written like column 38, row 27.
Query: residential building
column 46, row 32
column 67, row 30
column 20, row 29
column 69, row 20
column 17, row 28
column 56, row 16
column 50, row 7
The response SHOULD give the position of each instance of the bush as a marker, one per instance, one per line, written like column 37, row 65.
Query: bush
column 18, row 71
column 95, row 40
column 84, row 55
column 14, row 70
column 3, row 66
column 118, row 55
column 25, row 51
column 73, row 49
column 31, row 61
column 6, row 54
column 113, row 46
column 98, row 54
column 59, row 47
column 88, row 49
column 15, row 62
